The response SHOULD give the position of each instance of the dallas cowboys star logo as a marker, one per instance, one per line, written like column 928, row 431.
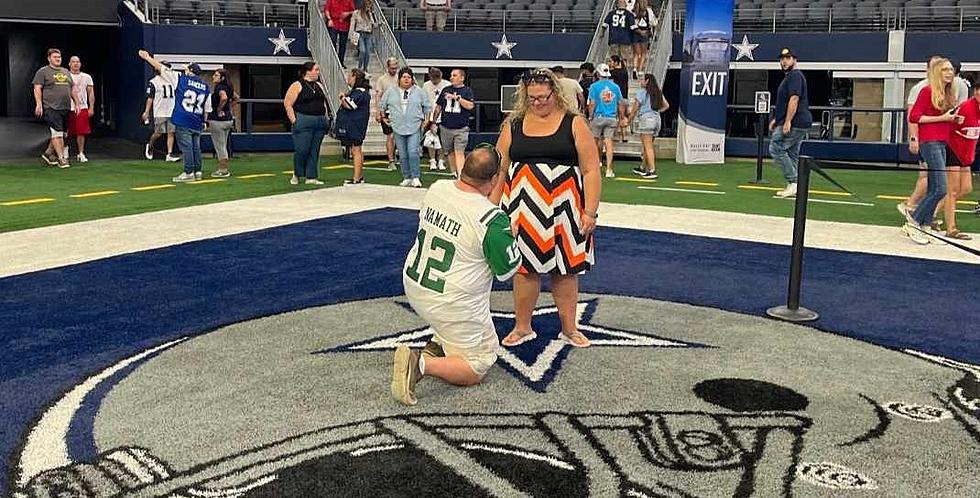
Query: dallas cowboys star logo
column 503, row 47
column 535, row 363
column 282, row 43
column 745, row 48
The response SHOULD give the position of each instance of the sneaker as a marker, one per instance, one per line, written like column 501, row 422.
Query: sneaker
column 314, row 181
column 406, row 183
column 147, row 153
column 432, row 165
column 976, row 209
column 391, row 166
column 63, row 164
column 352, row 181
column 172, row 159
column 907, row 211
column 294, row 180
column 610, row 173
column 198, row 175
column 48, row 160
column 417, row 183
column 433, row 349
column 914, row 233
column 789, row 191
column 221, row 173
column 649, row 175
column 184, row 178
column 405, row 374
column 441, row 165
column 82, row 158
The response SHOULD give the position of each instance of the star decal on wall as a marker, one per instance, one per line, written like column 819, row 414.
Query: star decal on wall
column 535, row 363
column 282, row 43
column 503, row 47
column 745, row 48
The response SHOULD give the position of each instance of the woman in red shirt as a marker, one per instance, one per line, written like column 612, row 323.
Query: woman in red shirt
column 336, row 13
column 935, row 113
column 961, row 154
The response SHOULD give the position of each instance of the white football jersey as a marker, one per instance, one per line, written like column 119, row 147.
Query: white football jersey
column 463, row 241
column 162, row 91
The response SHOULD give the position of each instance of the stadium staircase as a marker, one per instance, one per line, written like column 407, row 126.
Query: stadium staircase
column 657, row 61
column 333, row 75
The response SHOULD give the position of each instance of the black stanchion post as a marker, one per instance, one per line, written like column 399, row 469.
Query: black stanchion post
column 792, row 311
column 760, row 135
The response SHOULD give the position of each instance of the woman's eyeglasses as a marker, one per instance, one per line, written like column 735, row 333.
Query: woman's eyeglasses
column 537, row 99
column 491, row 147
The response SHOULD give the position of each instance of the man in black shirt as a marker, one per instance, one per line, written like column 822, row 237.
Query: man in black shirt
column 621, row 77
column 791, row 121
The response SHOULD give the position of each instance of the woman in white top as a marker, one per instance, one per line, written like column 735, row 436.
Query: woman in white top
column 646, row 22
column 362, row 22
column 648, row 103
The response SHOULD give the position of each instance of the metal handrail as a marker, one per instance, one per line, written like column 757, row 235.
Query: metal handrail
column 532, row 21
column 386, row 45
column 663, row 44
column 331, row 71
column 215, row 13
column 599, row 48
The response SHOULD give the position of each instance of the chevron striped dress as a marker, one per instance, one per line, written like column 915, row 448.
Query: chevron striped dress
column 543, row 195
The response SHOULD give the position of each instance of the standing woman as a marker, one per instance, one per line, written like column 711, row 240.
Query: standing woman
column 352, row 120
column 646, row 22
column 222, row 120
column 407, row 108
column 934, row 112
column 306, row 108
column 551, row 192
column 363, row 23
column 647, row 105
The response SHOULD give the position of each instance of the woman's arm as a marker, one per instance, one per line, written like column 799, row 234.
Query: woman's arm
column 588, row 161
column 291, row 94
column 503, row 148
column 665, row 106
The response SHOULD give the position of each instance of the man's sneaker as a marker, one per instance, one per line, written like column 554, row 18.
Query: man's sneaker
column 294, row 180
column 82, row 158
column 198, row 175
column 433, row 349
column 416, row 183
column 147, row 153
column 406, row 183
column 50, row 161
column 649, row 175
column 352, row 181
column 63, row 164
column 184, row 178
column 172, row 159
column 314, row 181
column 915, row 234
column 639, row 170
column 432, row 165
column 789, row 191
column 391, row 166
column 610, row 173
column 221, row 173
column 405, row 374
column 442, row 165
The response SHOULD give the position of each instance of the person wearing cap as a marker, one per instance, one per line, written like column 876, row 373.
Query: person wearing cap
column 160, row 99
column 571, row 89
column 188, row 115
column 791, row 121
column 607, row 112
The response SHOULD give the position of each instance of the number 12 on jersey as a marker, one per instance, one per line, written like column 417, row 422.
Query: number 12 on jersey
column 430, row 278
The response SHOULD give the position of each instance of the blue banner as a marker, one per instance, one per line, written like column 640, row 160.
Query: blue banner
column 704, row 81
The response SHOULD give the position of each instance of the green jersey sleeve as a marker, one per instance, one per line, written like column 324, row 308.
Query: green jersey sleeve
column 500, row 248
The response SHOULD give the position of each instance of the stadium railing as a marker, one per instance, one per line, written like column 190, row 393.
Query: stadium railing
column 662, row 45
column 507, row 20
column 599, row 48
column 385, row 43
column 332, row 74
column 830, row 123
column 851, row 17
column 224, row 13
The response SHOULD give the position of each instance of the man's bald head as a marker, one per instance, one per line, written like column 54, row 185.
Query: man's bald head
column 480, row 166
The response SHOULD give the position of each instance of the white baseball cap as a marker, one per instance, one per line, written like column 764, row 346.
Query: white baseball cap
column 603, row 71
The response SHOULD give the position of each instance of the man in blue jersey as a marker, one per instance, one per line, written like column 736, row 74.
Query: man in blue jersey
column 455, row 105
column 619, row 24
column 193, row 102
column 606, row 111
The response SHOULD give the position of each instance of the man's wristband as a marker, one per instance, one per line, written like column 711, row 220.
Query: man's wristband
column 592, row 214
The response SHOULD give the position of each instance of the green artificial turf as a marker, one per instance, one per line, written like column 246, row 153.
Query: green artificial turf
column 19, row 182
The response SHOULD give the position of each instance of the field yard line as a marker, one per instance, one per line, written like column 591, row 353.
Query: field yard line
column 93, row 194
column 635, row 180
column 27, row 201
column 827, row 201
column 154, row 187
column 688, row 190
column 696, row 184
column 256, row 175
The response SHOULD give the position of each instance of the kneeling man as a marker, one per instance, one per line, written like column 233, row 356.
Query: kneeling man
column 463, row 242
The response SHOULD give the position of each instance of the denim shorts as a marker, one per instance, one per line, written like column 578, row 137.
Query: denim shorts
column 648, row 124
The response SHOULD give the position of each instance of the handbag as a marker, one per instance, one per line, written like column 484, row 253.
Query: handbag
column 353, row 36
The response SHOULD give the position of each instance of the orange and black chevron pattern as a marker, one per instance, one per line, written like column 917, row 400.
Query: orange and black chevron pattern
column 546, row 202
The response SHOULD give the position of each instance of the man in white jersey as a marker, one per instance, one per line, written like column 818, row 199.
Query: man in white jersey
column 160, row 98
column 463, row 242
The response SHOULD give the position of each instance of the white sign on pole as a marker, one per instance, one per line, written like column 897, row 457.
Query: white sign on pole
column 762, row 102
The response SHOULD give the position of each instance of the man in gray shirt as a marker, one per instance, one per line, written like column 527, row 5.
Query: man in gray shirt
column 53, row 93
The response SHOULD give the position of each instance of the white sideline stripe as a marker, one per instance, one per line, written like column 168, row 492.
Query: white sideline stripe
column 826, row 201
column 689, row 190
column 46, row 446
column 554, row 462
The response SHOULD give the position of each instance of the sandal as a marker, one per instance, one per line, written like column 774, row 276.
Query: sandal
column 576, row 339
column 515, row 338
column 958, row 235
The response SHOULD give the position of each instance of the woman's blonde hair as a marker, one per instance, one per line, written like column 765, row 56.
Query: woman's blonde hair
column 540, row 76
column 943, row 94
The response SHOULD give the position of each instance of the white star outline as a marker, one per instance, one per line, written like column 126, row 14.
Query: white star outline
column 745, row 48
column 503, row 47
column 548, row 361
column 281, row 43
